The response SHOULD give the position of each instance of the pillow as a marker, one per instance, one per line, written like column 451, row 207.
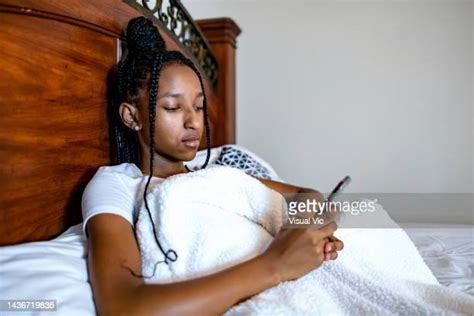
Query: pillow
column 237, row 157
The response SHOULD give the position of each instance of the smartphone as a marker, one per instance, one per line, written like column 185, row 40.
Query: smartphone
column 339, row 188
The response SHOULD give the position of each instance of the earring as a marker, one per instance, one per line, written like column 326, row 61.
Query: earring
column 136, row 127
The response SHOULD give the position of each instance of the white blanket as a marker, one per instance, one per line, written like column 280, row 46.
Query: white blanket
column 218, row 217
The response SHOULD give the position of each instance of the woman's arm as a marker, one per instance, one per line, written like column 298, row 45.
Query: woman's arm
column 290, row 191
column 114, row 253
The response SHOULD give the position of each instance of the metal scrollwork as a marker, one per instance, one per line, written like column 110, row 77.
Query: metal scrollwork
column 173, row 15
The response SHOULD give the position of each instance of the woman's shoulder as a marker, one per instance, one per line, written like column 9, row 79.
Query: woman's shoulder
column 121, row 175
column 124, row 169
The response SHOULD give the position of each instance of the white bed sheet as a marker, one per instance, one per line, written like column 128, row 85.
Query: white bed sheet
column 448, row 251
column 57, row 269
column 53, row 270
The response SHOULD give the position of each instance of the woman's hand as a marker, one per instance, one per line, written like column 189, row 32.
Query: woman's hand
column 295, row 252
column 329, row 244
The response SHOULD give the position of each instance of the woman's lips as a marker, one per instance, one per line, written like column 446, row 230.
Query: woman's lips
column 192, row 143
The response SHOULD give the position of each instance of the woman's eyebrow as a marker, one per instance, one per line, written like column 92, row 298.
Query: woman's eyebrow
column 199, row 95
column 171, row 95
column 178, row 95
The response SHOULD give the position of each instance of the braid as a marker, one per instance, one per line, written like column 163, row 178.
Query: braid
column 170, row 255
column 162, row 60
column 140, row 69
column 125, row 141
column 143, row 43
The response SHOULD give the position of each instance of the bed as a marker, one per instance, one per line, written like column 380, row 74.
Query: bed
column 57, row 269
column 57, row 57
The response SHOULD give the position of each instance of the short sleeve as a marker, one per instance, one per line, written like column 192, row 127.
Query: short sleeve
column 106, row 193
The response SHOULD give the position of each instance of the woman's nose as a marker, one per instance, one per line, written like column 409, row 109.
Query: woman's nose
column 191, row 118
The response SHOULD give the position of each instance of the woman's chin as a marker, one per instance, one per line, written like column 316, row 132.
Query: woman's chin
column 190, row 155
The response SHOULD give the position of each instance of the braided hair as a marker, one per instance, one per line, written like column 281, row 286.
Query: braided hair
column 139, row 69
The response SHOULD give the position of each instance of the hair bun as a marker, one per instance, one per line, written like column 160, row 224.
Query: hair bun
column 142, row 35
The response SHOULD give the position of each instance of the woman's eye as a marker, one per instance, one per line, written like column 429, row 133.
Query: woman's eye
column 198, row 108
column 172, row 109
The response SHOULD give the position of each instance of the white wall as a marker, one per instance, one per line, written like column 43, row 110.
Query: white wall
column 379, row 90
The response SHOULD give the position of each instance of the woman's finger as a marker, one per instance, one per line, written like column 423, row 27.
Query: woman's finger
column 328, row 247
column 339, row 243
column 333, row 246
column 330, row 256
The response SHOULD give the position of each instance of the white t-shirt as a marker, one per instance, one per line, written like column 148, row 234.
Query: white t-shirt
column 115, row 190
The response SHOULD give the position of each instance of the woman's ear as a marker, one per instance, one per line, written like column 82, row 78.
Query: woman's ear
column 130, row 116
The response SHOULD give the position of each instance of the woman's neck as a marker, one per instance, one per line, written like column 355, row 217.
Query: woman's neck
column 162, row 167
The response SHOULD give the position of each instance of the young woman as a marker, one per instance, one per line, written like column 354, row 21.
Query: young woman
column 161, row 113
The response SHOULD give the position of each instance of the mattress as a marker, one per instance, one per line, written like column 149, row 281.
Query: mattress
column 57, row 269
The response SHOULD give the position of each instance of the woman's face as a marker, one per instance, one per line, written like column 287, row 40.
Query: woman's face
column 179, row 115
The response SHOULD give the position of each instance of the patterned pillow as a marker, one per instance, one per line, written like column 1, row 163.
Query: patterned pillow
column 233, row 156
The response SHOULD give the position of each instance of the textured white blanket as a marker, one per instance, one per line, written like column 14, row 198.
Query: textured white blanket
column 220, row 216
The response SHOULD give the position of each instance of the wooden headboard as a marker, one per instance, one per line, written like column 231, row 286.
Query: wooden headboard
column 56, row 57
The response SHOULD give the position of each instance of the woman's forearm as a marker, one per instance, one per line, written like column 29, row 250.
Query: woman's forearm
column 212, row 294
